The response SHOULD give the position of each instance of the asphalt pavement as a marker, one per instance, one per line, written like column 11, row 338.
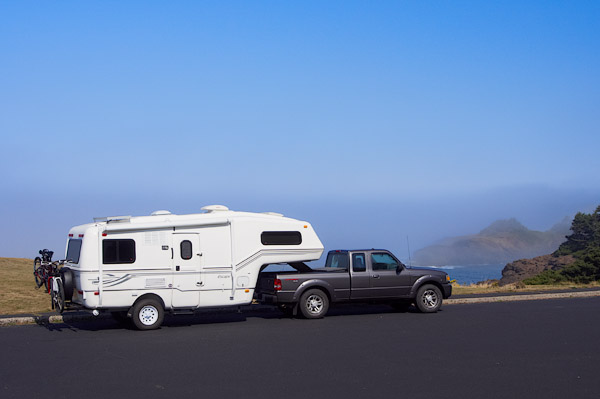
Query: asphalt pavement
column 530, row 349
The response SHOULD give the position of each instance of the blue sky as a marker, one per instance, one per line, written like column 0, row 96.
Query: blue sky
column 372, row 120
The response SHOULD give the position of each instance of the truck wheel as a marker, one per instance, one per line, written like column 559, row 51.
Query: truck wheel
column 314, row 304
column 429, row 299
column 147, row 314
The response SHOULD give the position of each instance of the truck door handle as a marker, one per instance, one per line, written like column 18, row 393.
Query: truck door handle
column 376, row 276
column 176, row 268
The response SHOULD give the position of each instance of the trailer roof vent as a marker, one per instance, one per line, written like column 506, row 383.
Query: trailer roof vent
column 161, row 212
column 214, row 208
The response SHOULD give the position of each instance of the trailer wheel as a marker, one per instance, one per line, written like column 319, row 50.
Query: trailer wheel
column 314, row 304
column 429, row 299
column 147, row 314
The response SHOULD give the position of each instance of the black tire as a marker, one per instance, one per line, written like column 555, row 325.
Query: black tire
column 429, row 299
column 147, row 314
column 58, row 297
column 68, row 282
column 314, row 304
column 39, row 279
column 401, row 306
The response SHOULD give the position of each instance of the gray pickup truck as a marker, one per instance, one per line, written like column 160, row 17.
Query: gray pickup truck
column 367, row 275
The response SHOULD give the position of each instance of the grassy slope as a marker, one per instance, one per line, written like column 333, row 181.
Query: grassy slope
column 17, row 288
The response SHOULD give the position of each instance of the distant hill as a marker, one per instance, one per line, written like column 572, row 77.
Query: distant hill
column 501, row 242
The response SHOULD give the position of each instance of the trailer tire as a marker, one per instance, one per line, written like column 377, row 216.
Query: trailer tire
column 314, row 304
column 147, row 314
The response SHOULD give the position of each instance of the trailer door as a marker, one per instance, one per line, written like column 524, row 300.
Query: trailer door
column 187, row 264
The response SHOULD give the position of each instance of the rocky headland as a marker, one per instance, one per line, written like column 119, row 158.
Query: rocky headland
column 503, row 241
column 525, row 268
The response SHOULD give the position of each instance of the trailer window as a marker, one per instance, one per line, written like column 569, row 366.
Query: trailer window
column 281, row 238
column 186, row 249
column 118, row 251
column 73, row 250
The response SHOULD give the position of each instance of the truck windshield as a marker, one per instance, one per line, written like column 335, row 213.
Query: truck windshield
column 337, row 260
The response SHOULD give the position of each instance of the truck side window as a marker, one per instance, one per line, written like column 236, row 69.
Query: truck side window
column 358, row 263
column 383, row 261
column 185, row 249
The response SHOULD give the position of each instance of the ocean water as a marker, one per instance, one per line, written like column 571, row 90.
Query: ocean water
column 472, row 273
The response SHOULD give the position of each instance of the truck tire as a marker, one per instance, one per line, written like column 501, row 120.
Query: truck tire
column 314, row 304
column 147, row 314
column 429, row 299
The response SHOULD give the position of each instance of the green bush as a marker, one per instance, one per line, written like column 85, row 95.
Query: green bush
column 547, row 277
column 584, row 245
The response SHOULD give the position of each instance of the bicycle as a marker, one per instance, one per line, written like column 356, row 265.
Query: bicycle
column 41, row 267
column 47, row 273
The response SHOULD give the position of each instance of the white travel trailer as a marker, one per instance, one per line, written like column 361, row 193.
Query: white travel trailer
column 140, row 267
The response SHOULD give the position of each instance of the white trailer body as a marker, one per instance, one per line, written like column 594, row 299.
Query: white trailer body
column 210, row 259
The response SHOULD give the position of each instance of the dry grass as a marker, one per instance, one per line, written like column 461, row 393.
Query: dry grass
column 490, row 287
column 17, row 288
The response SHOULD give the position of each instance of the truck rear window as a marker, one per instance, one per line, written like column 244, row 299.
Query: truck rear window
column 73, row 250
column 337, row 260
column 118, row 251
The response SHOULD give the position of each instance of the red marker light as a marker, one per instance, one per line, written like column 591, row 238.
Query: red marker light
column 104, row 234
column 80, row 235
column 70, row 235
column 97, row 293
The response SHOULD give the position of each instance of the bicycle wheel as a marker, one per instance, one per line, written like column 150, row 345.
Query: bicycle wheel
column 39, row 280
column 58, row 296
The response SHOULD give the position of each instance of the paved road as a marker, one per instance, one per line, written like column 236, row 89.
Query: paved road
column 537, row 349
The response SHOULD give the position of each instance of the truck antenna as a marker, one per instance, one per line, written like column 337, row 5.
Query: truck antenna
column 408, row 246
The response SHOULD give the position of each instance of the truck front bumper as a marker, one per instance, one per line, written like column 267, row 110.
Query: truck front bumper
column 447, row 290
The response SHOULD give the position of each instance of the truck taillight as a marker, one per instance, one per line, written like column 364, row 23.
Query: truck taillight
column 277, row 284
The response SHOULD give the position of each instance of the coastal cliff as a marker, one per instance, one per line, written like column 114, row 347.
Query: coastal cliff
column 525, row 268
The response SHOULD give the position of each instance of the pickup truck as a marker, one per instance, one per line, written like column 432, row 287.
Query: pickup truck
column 366, row 275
